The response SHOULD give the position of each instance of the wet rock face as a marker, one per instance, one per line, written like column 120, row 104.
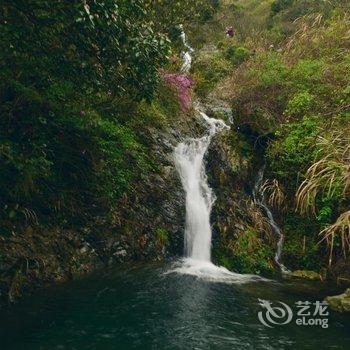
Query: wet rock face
column 242, row 241
column 226, row 170
column 152, row 218
column 43, row 257
column 340, row 303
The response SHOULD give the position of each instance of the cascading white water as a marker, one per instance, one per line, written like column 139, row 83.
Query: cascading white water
column 259, row 198
column 189, row 162
column 186, row 54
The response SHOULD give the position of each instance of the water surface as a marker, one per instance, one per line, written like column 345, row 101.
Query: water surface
column 142, row 307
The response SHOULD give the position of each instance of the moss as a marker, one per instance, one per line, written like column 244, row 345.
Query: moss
column 340, row 303
column 305, row 274
column 249, row 254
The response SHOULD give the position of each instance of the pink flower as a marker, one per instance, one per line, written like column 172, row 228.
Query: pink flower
column 183, row 86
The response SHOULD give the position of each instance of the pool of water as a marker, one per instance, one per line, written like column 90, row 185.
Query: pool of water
column 146, row 307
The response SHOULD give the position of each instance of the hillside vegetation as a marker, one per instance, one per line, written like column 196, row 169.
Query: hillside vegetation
column 92, row 102
column 82, row 101
column 285, row 75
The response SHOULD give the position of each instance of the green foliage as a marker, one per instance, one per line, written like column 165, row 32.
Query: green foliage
column 214, row 64
column 162, row 236
column 324, row 215
column 301, row 249
column 250, row 254
column 284, row 14
column 293, row 150
column 168, row 13
column 123, row 158
column 271, row 70
column 209, row 69
column 300, row 104
column 306, row 76
column 94, row 46
column 237, row 54
column 279, row 5
column 262, row 84
column 79, row 83
column 67, row 160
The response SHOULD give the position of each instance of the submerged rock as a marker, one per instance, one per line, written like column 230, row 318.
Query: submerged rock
column 305, row 274
column 340, row 303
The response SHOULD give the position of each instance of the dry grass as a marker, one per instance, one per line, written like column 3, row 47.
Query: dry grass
column 327, row 173
column 259, row 221
column 340, row 228
column 314, row 34
column 30, row 216
column 276, row 197
column 325, row 176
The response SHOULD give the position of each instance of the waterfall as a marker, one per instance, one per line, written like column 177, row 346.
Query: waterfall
column 189, row 162
column 186, row 54
column 259, row 198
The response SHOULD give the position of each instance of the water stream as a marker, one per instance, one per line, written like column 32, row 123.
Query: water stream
column 259, row 198
column 187, row 53
column 189, row 157
column 189, row 162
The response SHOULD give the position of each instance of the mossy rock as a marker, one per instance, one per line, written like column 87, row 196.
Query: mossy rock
column 340, row 303
column 305, row 274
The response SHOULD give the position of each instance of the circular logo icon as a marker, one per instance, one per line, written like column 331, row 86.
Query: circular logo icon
column 274, row 315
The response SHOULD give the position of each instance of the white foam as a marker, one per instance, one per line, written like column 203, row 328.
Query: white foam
column 207, row 271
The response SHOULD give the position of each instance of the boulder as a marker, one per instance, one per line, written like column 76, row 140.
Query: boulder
column 305, row 274
column 340, row 303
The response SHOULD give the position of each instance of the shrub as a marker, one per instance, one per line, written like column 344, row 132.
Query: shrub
column 79, row 83
column 280, row 5
column 237, row 54
column 209, row 69
column 300, row 104
column 293, row 150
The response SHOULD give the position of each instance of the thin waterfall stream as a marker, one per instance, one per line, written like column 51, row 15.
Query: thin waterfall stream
column 259, row 198
column 187, row 53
